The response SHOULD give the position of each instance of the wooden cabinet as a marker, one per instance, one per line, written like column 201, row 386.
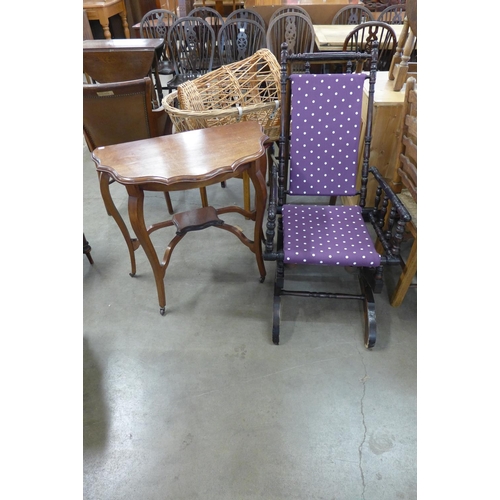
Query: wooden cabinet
column 386, row 127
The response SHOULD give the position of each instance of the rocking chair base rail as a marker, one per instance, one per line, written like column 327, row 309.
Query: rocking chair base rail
column 321, row 295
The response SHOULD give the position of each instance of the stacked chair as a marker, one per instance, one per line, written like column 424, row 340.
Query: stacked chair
column 362, row 37
column 294, row 28
column 191, row 45
column 156, row 24
column 352, row 14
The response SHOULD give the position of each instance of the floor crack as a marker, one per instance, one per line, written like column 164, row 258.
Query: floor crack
column 360, row 448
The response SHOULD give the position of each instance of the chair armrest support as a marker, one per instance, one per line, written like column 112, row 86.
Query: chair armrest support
column 272, row 213
column 398, row 216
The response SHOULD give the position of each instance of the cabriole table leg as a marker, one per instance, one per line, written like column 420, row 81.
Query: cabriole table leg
column 136, row 214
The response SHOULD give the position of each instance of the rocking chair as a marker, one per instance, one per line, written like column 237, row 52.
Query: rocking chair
column 321, row 117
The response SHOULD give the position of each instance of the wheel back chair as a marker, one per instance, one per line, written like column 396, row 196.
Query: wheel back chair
column 394, row 14
column 285, row 9
column 155, row 24
column 245, row 15
column 191, row 45
column 321, row 117
column 215, row 20
column 239, row 39
column 294, row 28
column 352, row 14
column 361, row 38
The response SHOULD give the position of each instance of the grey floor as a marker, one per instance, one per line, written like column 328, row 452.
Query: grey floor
column 199, row 404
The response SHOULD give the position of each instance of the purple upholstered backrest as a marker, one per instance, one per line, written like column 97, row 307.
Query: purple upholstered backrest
column 325, row 130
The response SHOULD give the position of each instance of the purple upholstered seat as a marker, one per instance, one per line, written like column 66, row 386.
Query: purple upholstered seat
column 325, row 131
column 327, row 234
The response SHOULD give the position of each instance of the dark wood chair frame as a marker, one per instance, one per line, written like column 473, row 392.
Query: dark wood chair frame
column 370, row 279
column 185, row 59
column 363, row 36
column 394, row 14
column 352, row 14
column 246, row 14
column 155, row 24
column 286, row 9
column 302, row 34
column 239, row 39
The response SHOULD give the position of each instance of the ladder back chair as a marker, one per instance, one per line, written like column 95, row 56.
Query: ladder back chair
column 321, row 117
column 404, row 183
column 404, row 61
column 362, row 37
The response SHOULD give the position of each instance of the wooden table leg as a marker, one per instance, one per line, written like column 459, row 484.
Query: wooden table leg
column 132, row 243
column 104, row 22
column 257, row 174
column 136, row 214
column 123, row 16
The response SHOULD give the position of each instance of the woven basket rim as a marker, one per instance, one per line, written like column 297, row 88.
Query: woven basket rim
column 216, row 113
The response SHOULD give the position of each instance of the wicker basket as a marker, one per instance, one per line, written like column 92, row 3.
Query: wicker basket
column 240, row 91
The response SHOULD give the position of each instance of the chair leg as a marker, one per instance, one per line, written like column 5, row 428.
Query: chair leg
column 278, row 286
column 276, row 319
column 86, row 250
column 169, row 203
column 369, row 310
column 406, row 277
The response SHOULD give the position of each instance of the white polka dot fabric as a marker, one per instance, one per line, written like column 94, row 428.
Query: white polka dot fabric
column 327, row 234
column 325, row 128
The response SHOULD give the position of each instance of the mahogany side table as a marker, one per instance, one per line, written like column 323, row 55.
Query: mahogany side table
column 188, row 160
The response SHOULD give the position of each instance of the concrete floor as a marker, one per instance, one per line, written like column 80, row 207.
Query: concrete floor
column 199, row 404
